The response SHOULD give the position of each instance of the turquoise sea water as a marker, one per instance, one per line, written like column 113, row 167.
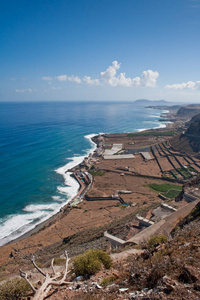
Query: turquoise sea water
column 40, row 141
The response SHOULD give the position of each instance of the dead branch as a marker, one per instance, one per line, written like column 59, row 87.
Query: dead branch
column 49, row 281
column 25, row 276
column 52, row 266
column 34, row 263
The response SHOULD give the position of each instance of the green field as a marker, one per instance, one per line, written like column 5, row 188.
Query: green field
column 96, row 172
column 168, row 190
column 184, row 172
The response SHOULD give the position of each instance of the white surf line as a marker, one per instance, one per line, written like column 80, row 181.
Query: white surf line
column 17, row 225
column 71, row 187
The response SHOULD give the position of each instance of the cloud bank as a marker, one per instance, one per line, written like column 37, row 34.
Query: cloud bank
column 109, row 77
column 185, row 85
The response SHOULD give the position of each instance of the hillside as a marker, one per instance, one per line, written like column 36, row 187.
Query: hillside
column 195, row 118
column 187, row 112
column 189, row 142
column 194, row 129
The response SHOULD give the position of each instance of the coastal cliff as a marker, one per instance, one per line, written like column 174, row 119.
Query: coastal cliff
column 187, row 112
column 189, row 142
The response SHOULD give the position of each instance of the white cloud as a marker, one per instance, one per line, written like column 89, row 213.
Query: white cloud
column 74, row 79
column 185, row 85
column 89, row 80
column 47, row 78
column 23, row 90
column 109, row 77
column 62, row 77
column 13, row 78
column 148, row 78
column 68, row 78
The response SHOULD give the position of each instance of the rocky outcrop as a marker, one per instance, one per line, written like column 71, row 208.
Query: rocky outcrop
column 187, row 112
column 189, row 142
column 194, row 119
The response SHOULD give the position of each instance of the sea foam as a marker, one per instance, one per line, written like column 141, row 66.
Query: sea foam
column 71, row 186
column 16, row 225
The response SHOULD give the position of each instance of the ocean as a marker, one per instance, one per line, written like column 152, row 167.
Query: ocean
column 40, row 141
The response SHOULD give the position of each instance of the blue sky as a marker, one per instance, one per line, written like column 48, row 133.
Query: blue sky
column 100, row 50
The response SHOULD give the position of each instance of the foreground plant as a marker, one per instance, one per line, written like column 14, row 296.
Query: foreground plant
column 14, row 289
column 50, row 280
column 91, row 262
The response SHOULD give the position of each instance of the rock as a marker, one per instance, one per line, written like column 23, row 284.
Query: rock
column 197, row 286
column 112, row 288
column 150, row 292
column 137, row 295
column 186, row 244
column 96, row 285
column 11, row 254
column 169, row 283
column 78, row 286
column 190, row 274
column 115, row 274
column 123, row 290
column 135, row 276
column 132, row 296
column 79, row 278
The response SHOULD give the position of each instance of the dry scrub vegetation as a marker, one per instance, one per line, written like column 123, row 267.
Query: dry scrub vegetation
column 165, row 270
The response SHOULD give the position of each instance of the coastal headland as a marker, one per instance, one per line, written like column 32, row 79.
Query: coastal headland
column 128, row 174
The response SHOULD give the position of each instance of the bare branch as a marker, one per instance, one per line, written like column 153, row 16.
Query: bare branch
column 66, row 267
column 52, row 266
column 24, row 275
column 39, row 270
column 44, row 290
column 61, row 282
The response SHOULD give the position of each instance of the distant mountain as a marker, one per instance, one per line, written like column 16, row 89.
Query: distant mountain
column 145, row 102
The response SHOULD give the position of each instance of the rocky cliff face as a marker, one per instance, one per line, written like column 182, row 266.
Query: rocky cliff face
column 194, row 129
column 188, row 112
column 190, row 141
column 194, row 119
column 193, row 135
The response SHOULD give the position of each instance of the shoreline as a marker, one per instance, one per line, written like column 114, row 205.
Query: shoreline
column 66, row 207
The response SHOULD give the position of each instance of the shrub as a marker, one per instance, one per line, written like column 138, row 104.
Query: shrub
column 154, row 276
column 156, row 240
column 107, row 280
column 91, row 262
column 14, row 289
column 59, row 261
